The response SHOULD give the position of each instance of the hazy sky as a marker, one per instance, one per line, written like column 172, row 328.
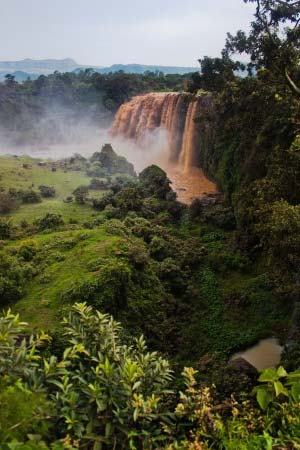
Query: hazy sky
column 98, row 32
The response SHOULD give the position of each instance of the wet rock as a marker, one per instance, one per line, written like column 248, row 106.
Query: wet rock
column 211, row 200
column 241, row 366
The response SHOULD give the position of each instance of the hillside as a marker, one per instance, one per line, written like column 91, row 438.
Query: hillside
column 33, row 68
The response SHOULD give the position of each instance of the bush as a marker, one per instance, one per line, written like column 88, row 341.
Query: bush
column 97, row 185
column 29, row 196
column 28, row 249
column 7, row 203
column 47, row 191
column 154, row 181
column 50, row 222
column 220, row 216
column 138, row 255
column 158, row 248
column 101, row 203
column 107, row 291
column 14, row 276
column 128, row 199
column 5, row 229
column 195, row 209
column 96, row 170
column 22, row 412
column 99, row 389
column 81, row 194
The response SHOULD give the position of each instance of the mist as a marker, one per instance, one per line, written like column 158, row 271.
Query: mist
column 60, row 133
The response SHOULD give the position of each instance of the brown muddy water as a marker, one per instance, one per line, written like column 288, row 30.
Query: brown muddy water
column 265, row 354
column 190, row 184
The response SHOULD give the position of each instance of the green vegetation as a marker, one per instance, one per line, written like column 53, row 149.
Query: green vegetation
column 164, row 270
column 86, row 240
column 102, row 392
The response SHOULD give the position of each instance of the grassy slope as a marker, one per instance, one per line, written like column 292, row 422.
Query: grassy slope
column 13, row 175
column 68, row 256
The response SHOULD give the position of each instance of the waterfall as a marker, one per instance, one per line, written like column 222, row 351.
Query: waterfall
column 189, row 140
column 174, row 112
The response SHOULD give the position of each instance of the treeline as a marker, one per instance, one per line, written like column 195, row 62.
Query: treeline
column 47, row 106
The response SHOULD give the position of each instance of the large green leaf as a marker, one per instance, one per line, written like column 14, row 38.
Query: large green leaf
column 269, row 375
column 281, row 372
column 280, row 389
column 264, row 398
column 296, row 392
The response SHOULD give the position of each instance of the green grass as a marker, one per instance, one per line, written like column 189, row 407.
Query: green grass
column 66, row 258
column 14, row 175
column 81, row 213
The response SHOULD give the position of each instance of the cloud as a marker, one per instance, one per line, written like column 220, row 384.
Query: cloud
column 170, row 32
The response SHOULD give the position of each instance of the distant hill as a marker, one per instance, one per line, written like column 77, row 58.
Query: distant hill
column 140, row 68
column 33, row 68
column 43, row 66
column 19, row 75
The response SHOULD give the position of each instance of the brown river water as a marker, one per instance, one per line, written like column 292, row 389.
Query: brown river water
column 266, row 353
column 190, row 184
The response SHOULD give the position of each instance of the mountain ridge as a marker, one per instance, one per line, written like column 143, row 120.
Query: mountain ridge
column 33, row 68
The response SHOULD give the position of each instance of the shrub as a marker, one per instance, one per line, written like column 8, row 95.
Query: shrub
column 22, row 412
column 50, row 222
column 28, row 249
column 13, row 277
column 97, row 184
column 81, row 194
column 47, row 191
column 138, row 255
column 105, row 200
column 107, row 291
column 7, row 203
column 195, row 209
column 221, row 216
column 101, row 389
column 5, row 229
column 29, row 196
column 154, row 181
column 96, row 170
column 158, row 248
column 128, row 199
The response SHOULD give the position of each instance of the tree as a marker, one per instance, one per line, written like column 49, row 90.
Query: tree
column 129, row 199
column 81, row 194
column 215, row 73
column 154, row 181
column 273, row 42
column 10, row 81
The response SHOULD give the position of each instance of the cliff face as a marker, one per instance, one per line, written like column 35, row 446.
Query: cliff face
column 184, row 118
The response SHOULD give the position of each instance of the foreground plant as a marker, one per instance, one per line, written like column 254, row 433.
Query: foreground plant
column 101, row 391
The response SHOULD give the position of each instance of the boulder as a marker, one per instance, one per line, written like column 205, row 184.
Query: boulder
column 242, row 366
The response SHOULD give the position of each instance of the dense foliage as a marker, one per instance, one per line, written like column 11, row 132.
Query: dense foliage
column 255, row 152
column 105, row 393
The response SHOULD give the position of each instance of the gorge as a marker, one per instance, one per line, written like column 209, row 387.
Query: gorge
column 173, row 120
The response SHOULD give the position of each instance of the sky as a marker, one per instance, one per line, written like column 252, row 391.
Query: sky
column 98, row 32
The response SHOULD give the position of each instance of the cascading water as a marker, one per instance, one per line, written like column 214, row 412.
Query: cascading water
column 177, row 114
